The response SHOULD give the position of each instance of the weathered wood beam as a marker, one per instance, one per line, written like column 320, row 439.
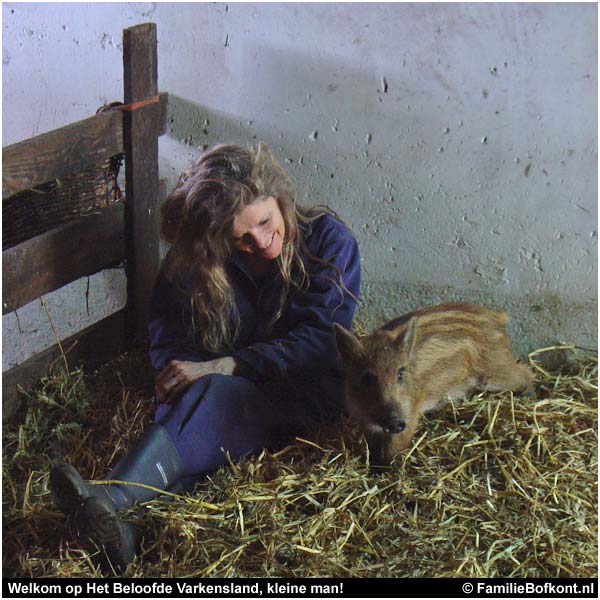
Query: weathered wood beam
column 140, row 136
column 57, row 257
column 61, row 152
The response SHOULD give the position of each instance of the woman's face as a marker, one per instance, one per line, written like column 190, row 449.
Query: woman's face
column 259, row 229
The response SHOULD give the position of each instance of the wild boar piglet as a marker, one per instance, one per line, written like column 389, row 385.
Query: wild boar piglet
column 417, row 362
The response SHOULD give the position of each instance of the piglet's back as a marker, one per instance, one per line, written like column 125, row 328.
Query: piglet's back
column 462, row 338
column 458, row 311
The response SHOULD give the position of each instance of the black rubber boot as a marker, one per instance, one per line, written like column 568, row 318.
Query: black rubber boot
column 154, row 461
column 96, row 523
column 69, row 490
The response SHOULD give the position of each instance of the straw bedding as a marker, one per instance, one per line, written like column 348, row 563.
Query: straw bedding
column 501, row 486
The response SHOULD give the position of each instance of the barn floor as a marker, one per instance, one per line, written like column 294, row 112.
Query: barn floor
column 502, row 486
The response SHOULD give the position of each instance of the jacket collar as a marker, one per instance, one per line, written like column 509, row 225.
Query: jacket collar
column 240, row 264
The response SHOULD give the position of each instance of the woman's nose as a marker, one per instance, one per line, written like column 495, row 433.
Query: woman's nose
column 261, row 242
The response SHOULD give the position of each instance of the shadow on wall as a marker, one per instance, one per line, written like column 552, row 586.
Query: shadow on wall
column 351, row 127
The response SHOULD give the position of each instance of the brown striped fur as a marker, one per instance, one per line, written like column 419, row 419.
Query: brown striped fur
column 415, row 363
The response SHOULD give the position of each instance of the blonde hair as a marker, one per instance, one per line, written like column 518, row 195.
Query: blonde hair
column 197, row 219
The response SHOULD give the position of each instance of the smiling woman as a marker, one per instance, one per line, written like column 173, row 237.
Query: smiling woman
column 241, row 336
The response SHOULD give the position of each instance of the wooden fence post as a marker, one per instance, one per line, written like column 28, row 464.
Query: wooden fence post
column 141, row 129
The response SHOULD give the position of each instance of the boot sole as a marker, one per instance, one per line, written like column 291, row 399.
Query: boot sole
column 97, row 521
column 97, row 524
column 67, row 488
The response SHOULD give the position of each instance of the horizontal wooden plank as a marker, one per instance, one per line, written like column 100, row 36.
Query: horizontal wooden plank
column 53, row 259
column 67, row 150
column 95, row 344
column 70, row 149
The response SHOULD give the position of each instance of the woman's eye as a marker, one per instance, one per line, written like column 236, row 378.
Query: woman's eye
column 400, row 377
column 264, row 221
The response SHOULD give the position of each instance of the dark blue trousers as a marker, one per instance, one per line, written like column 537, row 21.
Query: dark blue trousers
column 221, row 413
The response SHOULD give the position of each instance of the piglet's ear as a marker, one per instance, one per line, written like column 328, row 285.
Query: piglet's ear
column 406, row 339
column 348, row 344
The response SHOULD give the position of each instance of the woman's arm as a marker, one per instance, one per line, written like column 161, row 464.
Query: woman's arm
column 178, row 375
column 170, row 327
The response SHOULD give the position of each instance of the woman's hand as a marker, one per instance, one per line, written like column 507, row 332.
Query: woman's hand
column 178, row 375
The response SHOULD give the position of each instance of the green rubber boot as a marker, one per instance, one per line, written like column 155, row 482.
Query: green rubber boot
column 154, row 461
column 96, row 524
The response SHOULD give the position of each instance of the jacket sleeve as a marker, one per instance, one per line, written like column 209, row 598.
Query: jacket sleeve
column 308, row 346
column 170, row 327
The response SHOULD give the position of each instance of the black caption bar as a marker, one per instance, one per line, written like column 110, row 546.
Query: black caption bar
column 298, row 588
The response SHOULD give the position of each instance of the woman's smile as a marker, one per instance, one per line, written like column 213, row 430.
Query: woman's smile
column 269, row 244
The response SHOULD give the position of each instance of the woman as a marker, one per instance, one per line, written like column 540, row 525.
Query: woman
column 241, row 336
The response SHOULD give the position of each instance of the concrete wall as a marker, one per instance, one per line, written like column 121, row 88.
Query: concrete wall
column 459, row 141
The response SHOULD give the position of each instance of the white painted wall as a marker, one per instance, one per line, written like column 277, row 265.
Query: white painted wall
column 458, row 140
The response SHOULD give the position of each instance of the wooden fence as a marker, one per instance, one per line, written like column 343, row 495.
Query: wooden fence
column 126, row 231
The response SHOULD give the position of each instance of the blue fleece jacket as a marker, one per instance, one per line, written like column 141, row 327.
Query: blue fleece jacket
column 301, row 343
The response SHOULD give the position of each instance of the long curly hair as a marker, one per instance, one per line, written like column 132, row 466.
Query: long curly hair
column 197, row 220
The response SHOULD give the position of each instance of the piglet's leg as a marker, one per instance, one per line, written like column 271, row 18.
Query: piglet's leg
column 511, row 377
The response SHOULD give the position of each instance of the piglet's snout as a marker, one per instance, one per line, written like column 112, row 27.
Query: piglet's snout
column 394, row 416
column 395, row 425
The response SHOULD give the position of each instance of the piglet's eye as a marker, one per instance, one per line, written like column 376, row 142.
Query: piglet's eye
column 400, row 377
column 369, row 379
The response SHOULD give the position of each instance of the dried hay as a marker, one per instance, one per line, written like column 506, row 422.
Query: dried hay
column 501, row 486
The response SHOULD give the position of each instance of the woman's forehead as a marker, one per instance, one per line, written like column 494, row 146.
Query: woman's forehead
column 252, row 214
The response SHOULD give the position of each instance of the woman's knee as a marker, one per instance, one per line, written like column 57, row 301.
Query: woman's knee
column 224, row 414
column 212, row 399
